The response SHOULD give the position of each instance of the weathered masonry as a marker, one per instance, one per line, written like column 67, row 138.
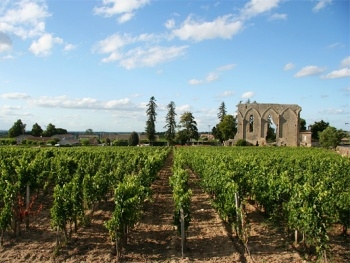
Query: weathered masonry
column 253, row 121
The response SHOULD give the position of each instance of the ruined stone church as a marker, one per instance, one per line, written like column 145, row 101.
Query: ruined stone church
column 253, row 122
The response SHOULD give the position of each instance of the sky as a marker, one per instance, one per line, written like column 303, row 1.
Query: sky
column 95, row 64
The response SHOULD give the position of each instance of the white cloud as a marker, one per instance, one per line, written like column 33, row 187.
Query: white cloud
column 212, row 76
column 226, row 67
column 24, row 18
column 43, row 46
column 69, row 47
column 125, row 17
column 195, row 82
column 183, row 108
column 222, row 27
column 336, row 45
column 341, row 73
column 82, row 103
column 170, row 24
column 321, row 4
column 151, row 57
column 277, row 16
column 256, row 7
column 289, row 66
column 116, row 46
column 309, row 71
column 8, row 57
column 345, row 62
column 113, row 45
column 15, row 96
column 226, row 94
column 123, row 9
column 5, row 42
column 332, row 111
column 247, row 95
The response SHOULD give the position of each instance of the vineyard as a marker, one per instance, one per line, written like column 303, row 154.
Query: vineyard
column 160, row 203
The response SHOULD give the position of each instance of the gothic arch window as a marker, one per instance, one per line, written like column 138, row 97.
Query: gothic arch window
column 251, row 123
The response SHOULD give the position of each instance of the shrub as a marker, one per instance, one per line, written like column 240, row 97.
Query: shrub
column 242, row 142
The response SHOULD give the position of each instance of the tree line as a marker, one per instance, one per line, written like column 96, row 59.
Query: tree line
column 186, row 130
column 19, row 128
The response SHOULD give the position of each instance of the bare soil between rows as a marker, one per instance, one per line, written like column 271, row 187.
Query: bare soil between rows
column 155, row 238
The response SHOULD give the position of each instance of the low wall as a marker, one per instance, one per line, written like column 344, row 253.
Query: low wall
column 343, row 150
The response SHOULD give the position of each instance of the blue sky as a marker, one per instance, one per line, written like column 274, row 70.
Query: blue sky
column 94, row 64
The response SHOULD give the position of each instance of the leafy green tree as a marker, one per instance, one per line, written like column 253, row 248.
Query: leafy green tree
column 89, row 132
column 85, row 142
column 227, row 128
column 50, row 130
column 134, row 139
column 37, row 130
column 331, row 137
column 151, row 122
column 170, row 133
column 318, row 127
column 222, row 111
column 215, row 132
column 189, row 126
column 181, row 137
column 302, row 124
column 18, row 128
column 60, row 131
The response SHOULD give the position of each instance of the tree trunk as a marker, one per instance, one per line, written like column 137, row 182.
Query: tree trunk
column 2, row 238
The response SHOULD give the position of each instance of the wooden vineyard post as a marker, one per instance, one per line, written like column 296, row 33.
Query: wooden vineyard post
column 183, row 238
column 238, row 225
column 27, row 205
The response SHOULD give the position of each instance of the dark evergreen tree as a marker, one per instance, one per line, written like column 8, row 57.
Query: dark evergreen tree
column 134, row 139
column 222, row 111
column 170, row 126
column 151, row 122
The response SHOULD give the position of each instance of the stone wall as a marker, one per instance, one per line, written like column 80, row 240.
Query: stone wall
column 253, row 120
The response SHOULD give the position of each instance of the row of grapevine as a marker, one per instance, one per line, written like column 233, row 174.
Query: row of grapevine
column 181, row 196
column 78, row 177
column 307, row 190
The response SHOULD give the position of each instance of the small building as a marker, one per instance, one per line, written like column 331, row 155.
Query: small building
column 305, row 138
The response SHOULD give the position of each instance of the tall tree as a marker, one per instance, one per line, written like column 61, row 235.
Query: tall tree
column 222, row 111
column 317, row 127
column 189, row 125
column 227, row 128
column 151, row 122
column 170, row 123
column 37, row 130
column 18, row 128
